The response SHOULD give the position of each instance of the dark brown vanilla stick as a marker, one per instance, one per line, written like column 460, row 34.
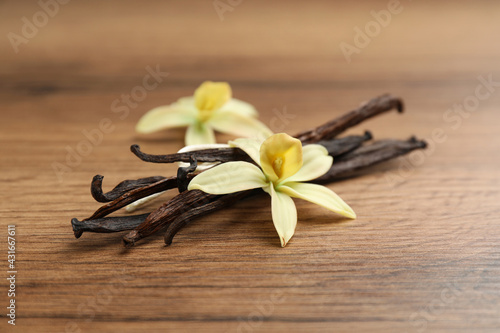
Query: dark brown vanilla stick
column 108, row 224
column 338, row 147
column 205, row 155
column 134, row 195
column 333, row 128
column 184, row 175
column 335, row 148
column 120, row 189
column 168, row 212
column 366, row 156
column 181, row 182
column 223, row 201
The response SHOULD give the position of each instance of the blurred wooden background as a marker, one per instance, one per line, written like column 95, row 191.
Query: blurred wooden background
column 424, row 253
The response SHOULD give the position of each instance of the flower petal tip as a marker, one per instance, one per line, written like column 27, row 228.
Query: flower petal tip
column 140, row 128
column 349, row 213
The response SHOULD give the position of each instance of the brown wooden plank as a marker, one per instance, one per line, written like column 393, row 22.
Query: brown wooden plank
column 423, row 255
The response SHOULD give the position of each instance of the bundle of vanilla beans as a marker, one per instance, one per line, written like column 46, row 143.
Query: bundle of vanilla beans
column 351, row 154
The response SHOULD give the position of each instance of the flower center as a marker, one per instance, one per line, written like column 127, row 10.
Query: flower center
column 203, row 115
column 277, row 165
column 211, row 96
column 280, row 157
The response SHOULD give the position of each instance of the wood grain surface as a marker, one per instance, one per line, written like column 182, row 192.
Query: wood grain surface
column 423, row 254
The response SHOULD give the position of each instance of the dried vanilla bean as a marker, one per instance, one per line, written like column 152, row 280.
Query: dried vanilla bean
column 183, row 177
column 183, row 219
column 133, row 195
column 337, row 147
column 107, row 224
column 369, row 155
column 167, row 212
column 333, row 128
column 120, row 189
column 205, row 155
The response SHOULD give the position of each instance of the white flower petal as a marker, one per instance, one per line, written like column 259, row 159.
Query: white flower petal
column 198, row 134
column 240, row 107
column 163, row 117
column 201, row 165
column 319, row 195
column 316, row 162
column 203, row 146
column 188, row 100
column 249, row 146
column 141, row 202
column 239, row 125
column 284, row 214
column 229, row 177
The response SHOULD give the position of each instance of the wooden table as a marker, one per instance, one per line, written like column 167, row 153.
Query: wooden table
column 424, row 253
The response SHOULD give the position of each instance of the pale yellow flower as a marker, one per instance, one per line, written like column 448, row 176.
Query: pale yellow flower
column 283, row 165
column 211, row 108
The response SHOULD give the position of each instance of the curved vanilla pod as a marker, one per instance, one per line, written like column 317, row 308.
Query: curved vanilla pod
column 367, row 110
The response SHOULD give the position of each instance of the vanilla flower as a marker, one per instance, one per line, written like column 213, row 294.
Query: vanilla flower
column 283, row 164
column 211, row 108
